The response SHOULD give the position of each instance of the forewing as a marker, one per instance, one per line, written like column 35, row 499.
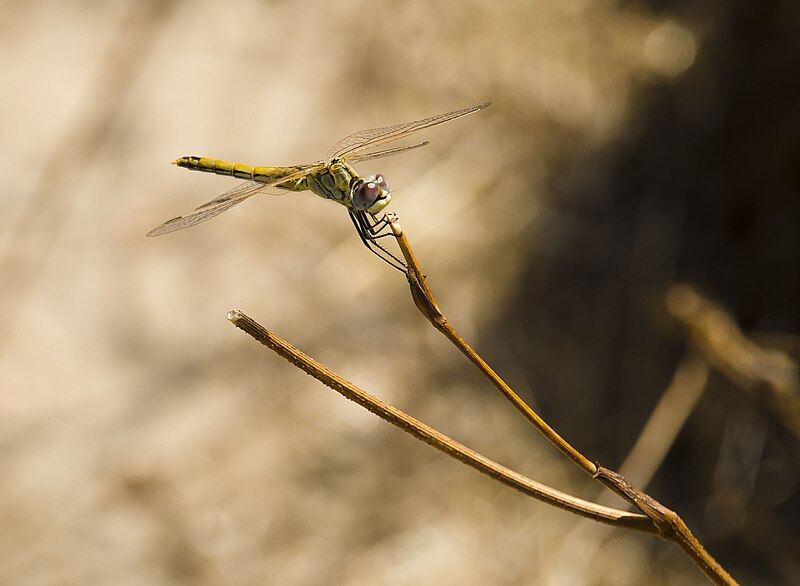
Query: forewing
column 384, row 153
column 373, row 137
column 224, row 202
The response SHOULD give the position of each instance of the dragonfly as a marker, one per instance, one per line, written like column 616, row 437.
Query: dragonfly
column 334, row 179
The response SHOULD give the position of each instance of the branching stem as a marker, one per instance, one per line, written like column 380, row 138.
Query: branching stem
column 655, row 518
column 670, row 526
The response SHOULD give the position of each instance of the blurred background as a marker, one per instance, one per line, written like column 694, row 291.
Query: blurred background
column 617, row 235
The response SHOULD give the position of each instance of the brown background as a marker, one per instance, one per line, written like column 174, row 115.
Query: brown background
column 630, row 146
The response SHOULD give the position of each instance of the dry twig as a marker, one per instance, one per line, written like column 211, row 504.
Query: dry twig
column 435, row 438
column 769, row 376
column 670, row 526
column 670, row 414
column 657, row 519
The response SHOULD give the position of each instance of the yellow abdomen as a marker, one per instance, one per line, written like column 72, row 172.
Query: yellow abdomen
column 239, row 170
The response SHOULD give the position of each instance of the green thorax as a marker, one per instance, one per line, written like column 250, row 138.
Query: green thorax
column 333, row 181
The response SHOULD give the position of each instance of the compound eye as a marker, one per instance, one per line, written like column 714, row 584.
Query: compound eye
column 380, row 181
column 366, row 194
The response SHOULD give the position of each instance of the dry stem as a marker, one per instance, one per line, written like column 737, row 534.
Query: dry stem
column 657, row 518
column 670, row 526
column 769, row 376
column 435, row 438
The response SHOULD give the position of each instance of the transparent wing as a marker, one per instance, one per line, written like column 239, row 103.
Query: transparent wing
column 384, row 153
column 226, row 201
column 373, row 137
column 247, row 188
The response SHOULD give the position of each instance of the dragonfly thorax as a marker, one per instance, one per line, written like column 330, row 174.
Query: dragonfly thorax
column 341, row 183
column 333, row 181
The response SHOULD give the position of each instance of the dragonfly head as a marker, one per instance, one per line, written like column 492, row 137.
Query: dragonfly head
column 371, row 195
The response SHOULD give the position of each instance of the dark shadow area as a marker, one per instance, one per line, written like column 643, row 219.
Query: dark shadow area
column 705, row 188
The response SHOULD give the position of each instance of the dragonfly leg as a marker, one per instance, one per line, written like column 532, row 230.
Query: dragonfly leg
column 376, row 226
column 369, row 230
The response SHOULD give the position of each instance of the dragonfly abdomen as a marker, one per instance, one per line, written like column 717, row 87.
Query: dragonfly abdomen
column 238, row 170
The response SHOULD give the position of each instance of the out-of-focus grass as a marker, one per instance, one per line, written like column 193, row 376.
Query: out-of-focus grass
column 144, row 441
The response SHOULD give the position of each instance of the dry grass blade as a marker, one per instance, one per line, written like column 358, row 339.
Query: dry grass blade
column 671, row 527
column 658, row 435
column 44, row 216
column 436, row 439
column 770, row 376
